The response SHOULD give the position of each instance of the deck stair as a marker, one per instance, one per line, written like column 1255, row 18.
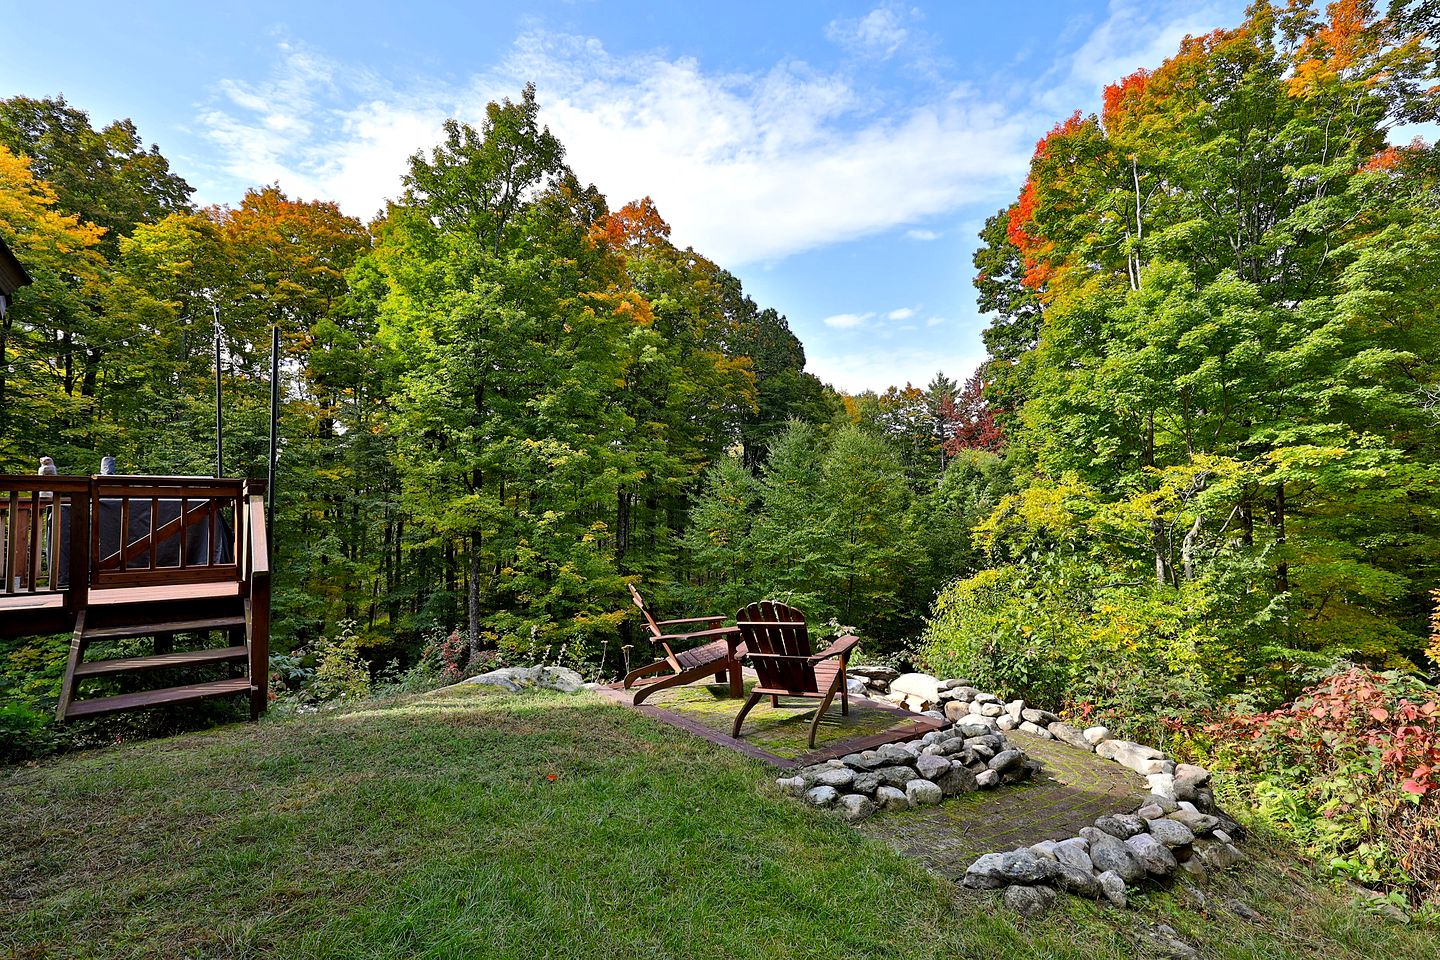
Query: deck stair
column 179, row 564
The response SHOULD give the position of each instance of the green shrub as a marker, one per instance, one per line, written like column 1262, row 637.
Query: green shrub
column 339, row 669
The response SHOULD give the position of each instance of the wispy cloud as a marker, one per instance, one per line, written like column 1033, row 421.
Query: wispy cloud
column 878, row 34
column 904, row 313
column 846, row 321
column 923, row 235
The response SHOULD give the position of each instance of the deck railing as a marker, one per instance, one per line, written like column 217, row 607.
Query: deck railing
column 68, row 535
column 38, row 537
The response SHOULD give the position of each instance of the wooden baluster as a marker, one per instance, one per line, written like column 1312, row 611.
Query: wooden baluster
column 12, row 541
column 33, row 566
column 124, row 532
column 210, row 536
column 53, row 564
column 154, row 525
column 184, row 531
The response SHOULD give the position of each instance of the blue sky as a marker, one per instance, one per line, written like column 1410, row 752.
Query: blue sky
column 838, row 157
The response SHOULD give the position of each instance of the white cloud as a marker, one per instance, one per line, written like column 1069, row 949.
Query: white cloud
column 747, row 168
column 904, row 313
column 934, row 321
column 922, row 235
column 846, row 321
column 880, row 33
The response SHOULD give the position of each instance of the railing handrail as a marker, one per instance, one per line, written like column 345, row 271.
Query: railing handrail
column 33, row 481
column 257, row 549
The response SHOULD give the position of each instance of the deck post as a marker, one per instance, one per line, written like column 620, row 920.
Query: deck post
column 79, row 592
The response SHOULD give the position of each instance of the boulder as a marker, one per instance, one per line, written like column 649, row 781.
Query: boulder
column 1006, row 760
column 515, row 679
column 923, row 793
column 1199, row 823
column 837, row 777
column 1045, row 849
column 1161, row 940
column 979, row 709
column 1150, row 811
column 871, row 672
column 1167, row 804
column 866, row 782
column 1082, row 883
column 955, row 710
column 794, row 786
column 822, row 796
column 1122, row 827
column 956, row 780
column 1113, row 886
column 1022, row 866
column 867, row 760
column 920, row 686
column 986, row 698
column 1065, row 733
column 931, row 767
column 1172, row 833
column 1040, row 718
column 1029, row 901
column 897, row 752
column 1013, row 708
column 1073, row 853
column 1006, row 722
column 1096, row 735
column 1162, row 785
column 986, row 779
column 1111, row 854
column 950, row 683
column 984, row 873
column 1188, row 771
column 1035, row 730
column 1154, row 855
column 1143, row 760
column 856, row 807
column 856, row 687
column 891, row 798
column 971, row 728
column 896, row 775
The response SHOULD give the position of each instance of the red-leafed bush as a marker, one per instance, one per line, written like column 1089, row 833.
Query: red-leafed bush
column 1352, row 768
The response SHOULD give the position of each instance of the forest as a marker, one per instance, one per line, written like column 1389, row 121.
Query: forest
column 1197, row 476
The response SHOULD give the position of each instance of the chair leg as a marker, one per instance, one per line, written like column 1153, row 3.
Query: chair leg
column 775, row 702
column 815, row 724
column 740, row 717
column 844, row 694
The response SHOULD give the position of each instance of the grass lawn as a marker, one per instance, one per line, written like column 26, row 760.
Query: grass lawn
column 472, row 823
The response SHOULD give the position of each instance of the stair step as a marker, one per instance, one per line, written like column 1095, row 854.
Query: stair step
column 153, row 698
column 159, row 661
column 177, row 626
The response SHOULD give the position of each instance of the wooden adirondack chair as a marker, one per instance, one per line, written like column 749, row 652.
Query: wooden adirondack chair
column 718, row 655
column 777, row 645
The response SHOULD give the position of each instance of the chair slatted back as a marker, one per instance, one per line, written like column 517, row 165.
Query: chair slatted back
column 778, row 643
column 655, row 631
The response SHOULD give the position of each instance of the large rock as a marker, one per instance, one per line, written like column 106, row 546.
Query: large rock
column 838, row 777
column 1113, row 886
column 866, row 782
column 1029, row 901
column 856, row 687
column 1038, row 717
column 891, row 798
column 1006, row 722
column 876, row 675
column 1096, row 735
column 794, row 786
column 1161, row 940
column 1014, row 708
column 867, row 760
column 923, row 793
column 1035, row 730
column 1166, row 804
column 984, row 873
column 1172, row 833
column 986, row 698
column 1111, row 854
column 897, row 775
column 1162, row 785
column 1154, row 855
column 1022, row 866
column 898, row 752
column 931, row 767
column 1073, row 853
column 955, row 710
column 1065, row 733
column 1199, row 823
column 1121, row 826
column 978, row 709
column 856, row 807
column 986, row 779
column 516, row 679
column 920, row 686
column 1082, row 883
column 1143, row 760
column 1007, row 760
column 957, row 780
column 822, row 796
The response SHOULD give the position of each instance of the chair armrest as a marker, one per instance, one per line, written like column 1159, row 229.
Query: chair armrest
column 698, row 634
column 841, row 647
column 672, row 623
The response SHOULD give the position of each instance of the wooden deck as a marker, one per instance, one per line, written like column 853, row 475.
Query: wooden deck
column 108, row 558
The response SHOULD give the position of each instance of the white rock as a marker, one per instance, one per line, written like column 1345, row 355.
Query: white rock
column 1162, row 785
column 920, row 685
column 1096, row 735
column 1014, row 707
column 923, row 793
column 986, row 779
column 515, row 679
column 856, row 687
column 856, row 806
column 822, row 796
column 794, row 786
column 892, row 798
column 1006, row 722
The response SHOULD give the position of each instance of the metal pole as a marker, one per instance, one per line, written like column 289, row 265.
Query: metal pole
column 219, row 416
column 274, row 424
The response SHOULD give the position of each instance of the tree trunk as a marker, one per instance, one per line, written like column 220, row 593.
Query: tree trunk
column 472, row 619
column 1282, row 569
column 1187, row 549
